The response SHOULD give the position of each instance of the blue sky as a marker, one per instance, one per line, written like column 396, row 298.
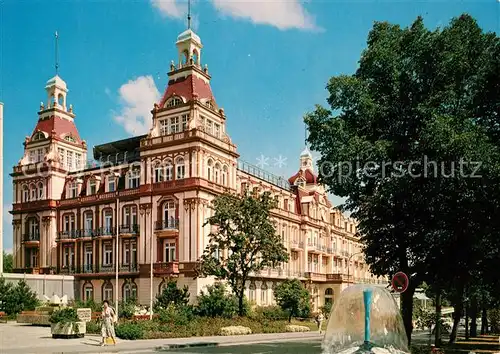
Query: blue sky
column 269, row 63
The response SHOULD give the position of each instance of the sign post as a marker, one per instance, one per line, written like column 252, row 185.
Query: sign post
column 400, row 282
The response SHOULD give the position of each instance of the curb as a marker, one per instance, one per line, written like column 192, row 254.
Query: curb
column 187, row 345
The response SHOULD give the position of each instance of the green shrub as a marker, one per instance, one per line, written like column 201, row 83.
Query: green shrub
column 216, row 302
column 93, row 327
column 171, row 294
column 293, row 298
column 273, row 313
column 326, row 310
column 64, row 315
column 16, row 299
column 176, row 315
column 494, row 320
column 130, row 330
column 126, row 309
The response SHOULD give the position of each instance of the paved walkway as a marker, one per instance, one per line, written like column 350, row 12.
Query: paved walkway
column 16, row 339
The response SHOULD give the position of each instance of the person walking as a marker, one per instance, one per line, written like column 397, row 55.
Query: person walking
column 109, row 318
column 319, row 320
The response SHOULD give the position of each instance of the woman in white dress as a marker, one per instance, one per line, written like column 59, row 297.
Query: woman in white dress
column 108, row 317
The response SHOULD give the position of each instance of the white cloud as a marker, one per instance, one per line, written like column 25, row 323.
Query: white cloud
column 138, row 97
column 171, row 8
column 283, row 14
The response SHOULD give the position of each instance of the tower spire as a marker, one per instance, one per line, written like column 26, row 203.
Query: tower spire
column 57, row 53
column 189, row 14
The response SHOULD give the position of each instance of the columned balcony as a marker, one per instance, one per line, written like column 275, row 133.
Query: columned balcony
column 129, row 230
column 32, row 237
column 171, row 224
column 167, row 228
column 165, row 268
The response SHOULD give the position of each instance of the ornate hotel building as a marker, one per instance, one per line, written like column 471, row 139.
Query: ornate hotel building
column 145, row 199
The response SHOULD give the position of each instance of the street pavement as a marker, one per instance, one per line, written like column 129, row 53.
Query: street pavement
column 24, row 339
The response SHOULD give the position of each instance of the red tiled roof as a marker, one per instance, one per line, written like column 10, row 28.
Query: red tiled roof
column 187, row 87
column 60, row 126
column 308, row 175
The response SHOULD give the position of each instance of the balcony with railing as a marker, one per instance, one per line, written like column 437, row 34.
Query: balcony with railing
column 106, row 231
column 32, row 236
column 170, row 224
column 107, row 268
column 165, row 268
column 68, row 270
column 296, row 244
column 131, row 229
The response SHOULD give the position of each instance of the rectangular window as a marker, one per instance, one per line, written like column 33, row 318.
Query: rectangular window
column 73, row 190
column 181, row 171
column 134, row 179
column 209, row 127
column 185, row 120
column 69, row 257
column 69, row 160
column 88, row 258
column 32, row 157
column 61, row 156
column 78, row 161
column 217, row 130
column 39, row 157
column 108, row 222
column 126, row 253
column 111, row 184
column 92, row 187
column 108, row 254
column 168, row 172
column 174, row 125
column 170, row 252
column 88, row 224
column 164, row 127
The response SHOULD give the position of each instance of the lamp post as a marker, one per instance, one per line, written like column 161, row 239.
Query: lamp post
column 349, row 266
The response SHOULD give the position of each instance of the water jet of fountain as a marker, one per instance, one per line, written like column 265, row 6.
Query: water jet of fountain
column 365, row 319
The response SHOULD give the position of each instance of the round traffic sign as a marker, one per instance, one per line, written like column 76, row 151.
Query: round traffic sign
column 400, row 282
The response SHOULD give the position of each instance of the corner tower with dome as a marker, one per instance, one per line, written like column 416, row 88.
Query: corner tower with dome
column 140, row 203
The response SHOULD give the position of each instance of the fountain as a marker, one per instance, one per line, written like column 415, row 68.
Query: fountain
column 365, row 319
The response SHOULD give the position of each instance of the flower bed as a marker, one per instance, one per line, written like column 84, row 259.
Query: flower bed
column 198, row 327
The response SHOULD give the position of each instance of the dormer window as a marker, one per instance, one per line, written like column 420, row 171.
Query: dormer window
column 72, row 190
column 301, row 182
column 134, row 178
column 92, row 187
column 38, row 136
column 209, row 104
column 111, row 184
column 70, row 139
column 174, row 101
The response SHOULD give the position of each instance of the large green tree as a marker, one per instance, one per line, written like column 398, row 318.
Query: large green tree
column 293, row 297
column 243, row 240
column 409, row 141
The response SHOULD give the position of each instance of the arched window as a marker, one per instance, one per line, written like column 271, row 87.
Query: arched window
column 32, row 192
column 180, row 169
column 60, row 99
column 251, row 292
column 129, row 291
column 26, row 194
column 263, row 294
column 328, row 295
column 225, row 175
column 217, row 173
column 196, row 59
column 88, row 292
column 41, row 191
column 107, row 291
column 159, row 171
column 169, row 215
column 209, row 170
column 169, row 170
column 174, row 101
column 300, row 182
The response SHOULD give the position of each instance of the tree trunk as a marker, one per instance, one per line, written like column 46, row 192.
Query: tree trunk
column 241, row 308
column 473, row 317
column 407, row 311
column 467, row 319
column 437, row 329
column 484, row 321
column 457, row 315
